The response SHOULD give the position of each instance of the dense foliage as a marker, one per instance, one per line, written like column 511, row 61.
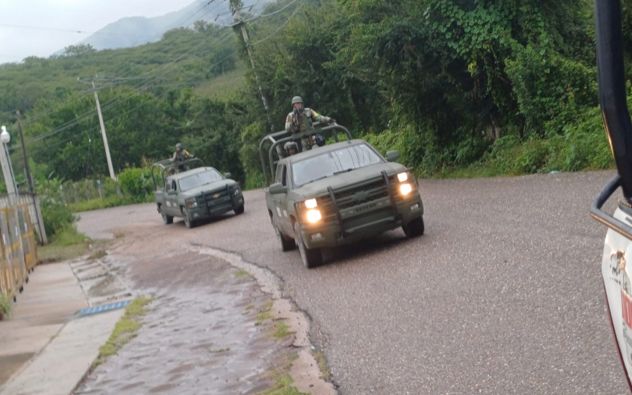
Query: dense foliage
column 452, row 84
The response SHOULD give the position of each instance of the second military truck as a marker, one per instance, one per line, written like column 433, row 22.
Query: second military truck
column 195, row 194
column 337, row 193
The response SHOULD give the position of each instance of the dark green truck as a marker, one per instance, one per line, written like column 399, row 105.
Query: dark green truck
column 196, row 194
column 336, row 194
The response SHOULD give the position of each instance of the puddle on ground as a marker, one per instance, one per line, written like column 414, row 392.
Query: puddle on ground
column 200, row 335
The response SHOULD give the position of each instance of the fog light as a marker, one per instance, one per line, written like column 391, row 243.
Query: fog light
column 313, row 216
column 414, row 207
column 405, row 189
column 402, row 177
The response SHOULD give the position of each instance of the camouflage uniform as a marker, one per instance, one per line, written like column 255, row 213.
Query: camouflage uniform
column 302, row 120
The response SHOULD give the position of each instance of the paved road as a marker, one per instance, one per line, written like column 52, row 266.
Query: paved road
column 501, row 295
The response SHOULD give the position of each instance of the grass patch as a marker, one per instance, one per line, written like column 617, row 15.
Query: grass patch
column 325, row 373
column 281, row 330
column 284, row 385
column 5, row 307
column 112, row 201
column 125, row 329
column 264, row 314
column 66, row 244
column 241, row 273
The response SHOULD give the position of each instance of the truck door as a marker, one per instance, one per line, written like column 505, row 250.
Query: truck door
column 280, row 201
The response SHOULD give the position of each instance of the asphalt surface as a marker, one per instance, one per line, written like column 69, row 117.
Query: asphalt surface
column 502, row 294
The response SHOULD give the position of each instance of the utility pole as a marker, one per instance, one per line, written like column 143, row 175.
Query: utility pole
column 103, row 134
column 238, row 23
column 41, row 230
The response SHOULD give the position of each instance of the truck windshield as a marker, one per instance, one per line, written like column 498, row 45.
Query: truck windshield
column 333, row 162
column 199, row 179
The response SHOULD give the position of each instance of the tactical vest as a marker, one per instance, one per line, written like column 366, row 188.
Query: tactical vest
column 303, row 122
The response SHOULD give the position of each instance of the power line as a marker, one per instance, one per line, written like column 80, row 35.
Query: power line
column 281, row 27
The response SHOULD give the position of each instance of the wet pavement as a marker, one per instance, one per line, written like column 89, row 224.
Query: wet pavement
column 202, row 334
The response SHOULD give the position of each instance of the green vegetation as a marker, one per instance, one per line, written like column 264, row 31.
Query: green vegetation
column 264, row 314
column 5, row 307
column 241, row 273
column 284, row 385
column 281, row 330
column 66, row 244
column 125, row 330
column 459, row 87
column 325, row 373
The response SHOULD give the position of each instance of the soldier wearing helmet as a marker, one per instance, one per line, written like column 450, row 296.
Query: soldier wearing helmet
column 301, row 119
column 181, row 154
column 290, row 148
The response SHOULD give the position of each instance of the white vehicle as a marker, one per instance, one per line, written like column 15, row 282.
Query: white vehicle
column 616, row 267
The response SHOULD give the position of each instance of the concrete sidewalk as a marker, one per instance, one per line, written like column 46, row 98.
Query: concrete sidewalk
column 43, row 347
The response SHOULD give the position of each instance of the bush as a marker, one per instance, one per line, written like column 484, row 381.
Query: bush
column 56, row 213
column 136, row 183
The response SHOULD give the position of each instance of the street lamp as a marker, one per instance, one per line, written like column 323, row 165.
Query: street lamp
column 7, row 171
column 5, row 137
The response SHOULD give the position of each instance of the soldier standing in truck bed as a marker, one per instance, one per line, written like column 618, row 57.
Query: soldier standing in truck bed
column 301, row 119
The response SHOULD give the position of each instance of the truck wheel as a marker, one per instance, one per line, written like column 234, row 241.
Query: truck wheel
column 287, row 243
column 167, row 219
column 414, row 228
column 311, row 257
column 188, row 222
column 239, row 210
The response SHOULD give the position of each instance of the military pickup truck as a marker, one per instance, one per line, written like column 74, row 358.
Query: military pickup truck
column 194, row 193
column 336, row 193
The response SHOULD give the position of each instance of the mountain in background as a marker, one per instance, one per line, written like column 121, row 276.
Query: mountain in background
column 134, row 31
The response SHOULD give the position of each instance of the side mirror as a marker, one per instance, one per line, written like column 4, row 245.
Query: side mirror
column 277, row 188
column 228, row 175
column 392, row 156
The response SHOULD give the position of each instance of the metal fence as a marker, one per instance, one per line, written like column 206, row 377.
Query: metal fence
column 18, row 249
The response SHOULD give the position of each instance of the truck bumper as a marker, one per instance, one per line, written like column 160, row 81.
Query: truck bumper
column 332, row 234
column 216, row 208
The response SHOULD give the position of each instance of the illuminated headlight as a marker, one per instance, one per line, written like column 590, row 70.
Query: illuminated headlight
column 311, row 203
column 313, row 216
column 402, row 177
column 191, row 203
column 405, row 189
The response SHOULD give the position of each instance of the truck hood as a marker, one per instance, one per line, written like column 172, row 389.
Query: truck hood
column 318, row 188
column 214, row 186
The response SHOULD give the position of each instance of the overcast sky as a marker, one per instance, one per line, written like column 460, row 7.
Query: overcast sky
column 42, row 27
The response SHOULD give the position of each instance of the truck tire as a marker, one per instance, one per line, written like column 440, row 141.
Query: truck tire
column 414, row 228
column 167, row 219
column 239, row 210
column 311, row 257
column 188, row 221
column 287, row 243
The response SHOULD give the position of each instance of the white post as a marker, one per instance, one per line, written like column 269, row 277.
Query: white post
column 103, row 134
column 6, row 167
